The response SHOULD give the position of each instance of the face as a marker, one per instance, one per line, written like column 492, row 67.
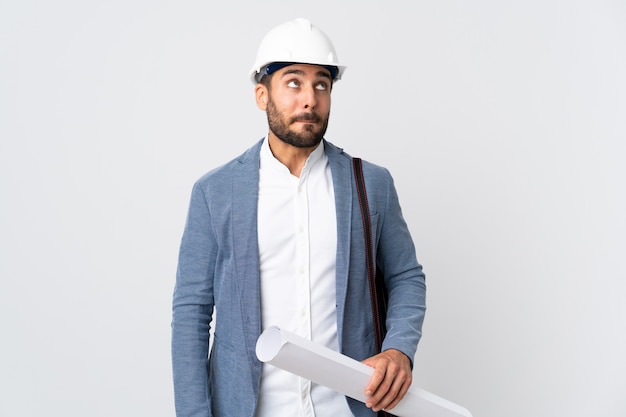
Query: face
column 298, row 104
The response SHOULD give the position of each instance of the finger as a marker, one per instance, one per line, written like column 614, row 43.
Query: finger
column 383, row 390
column 374, row 383
column 391, row 391
column 402, row 390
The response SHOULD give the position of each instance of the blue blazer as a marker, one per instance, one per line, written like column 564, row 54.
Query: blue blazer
column 219, row 269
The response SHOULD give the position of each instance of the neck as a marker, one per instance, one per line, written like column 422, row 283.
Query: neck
column 291, row 156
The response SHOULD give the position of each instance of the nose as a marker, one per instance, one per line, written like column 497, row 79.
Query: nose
column 309, row 98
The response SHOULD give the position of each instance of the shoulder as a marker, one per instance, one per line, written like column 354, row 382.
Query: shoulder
column 220, row 176
column 375, row 172
column 337, row 154
column 377, row 177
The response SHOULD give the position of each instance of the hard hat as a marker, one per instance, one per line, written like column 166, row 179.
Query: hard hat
column 295, row 41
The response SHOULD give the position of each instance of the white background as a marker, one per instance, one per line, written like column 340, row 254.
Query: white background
column 503, row 123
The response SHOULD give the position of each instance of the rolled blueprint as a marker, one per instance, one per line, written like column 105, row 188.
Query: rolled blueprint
column 341, row 373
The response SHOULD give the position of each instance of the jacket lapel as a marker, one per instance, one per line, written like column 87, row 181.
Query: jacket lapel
column 245, row 183
column 341, row 169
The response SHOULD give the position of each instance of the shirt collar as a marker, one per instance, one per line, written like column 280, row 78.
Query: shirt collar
column 267, row 159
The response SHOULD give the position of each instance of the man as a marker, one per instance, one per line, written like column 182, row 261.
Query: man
column 275, row 237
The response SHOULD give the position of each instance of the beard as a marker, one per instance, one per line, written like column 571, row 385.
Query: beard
column 308, row 138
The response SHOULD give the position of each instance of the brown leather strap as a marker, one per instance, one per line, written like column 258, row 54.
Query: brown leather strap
column 375, row 297
column 375, row 279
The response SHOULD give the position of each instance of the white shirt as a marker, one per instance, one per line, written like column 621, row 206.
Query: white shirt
column 297, row 232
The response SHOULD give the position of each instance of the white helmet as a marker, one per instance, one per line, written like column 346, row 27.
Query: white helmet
column 296, row 41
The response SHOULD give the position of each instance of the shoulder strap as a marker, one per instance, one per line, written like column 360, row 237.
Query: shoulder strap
column 375, row 295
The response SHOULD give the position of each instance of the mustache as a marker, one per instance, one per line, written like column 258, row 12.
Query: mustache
column 307, row 117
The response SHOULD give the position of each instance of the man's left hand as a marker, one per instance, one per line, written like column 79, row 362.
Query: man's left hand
column 391, row 379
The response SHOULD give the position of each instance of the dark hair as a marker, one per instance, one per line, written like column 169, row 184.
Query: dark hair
column 266, row 80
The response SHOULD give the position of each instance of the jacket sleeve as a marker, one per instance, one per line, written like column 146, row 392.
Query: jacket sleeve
column 404, row 279
column 193, row 305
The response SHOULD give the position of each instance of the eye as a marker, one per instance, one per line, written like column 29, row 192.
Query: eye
column 322, row 86
column 293, row 84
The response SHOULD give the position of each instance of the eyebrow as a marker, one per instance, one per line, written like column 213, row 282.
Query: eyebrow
column 320, row 73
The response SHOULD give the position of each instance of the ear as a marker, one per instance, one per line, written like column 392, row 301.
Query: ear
column 261, row 94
